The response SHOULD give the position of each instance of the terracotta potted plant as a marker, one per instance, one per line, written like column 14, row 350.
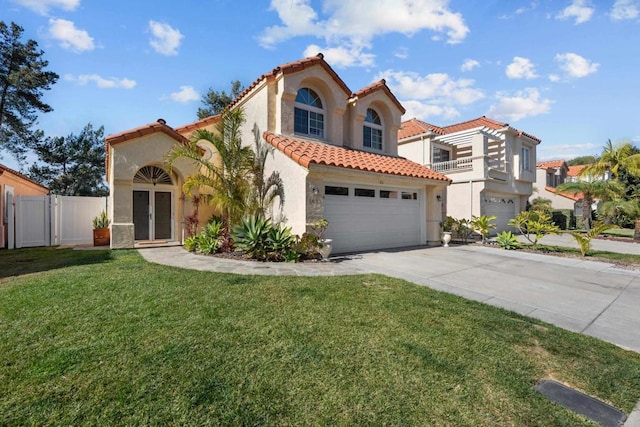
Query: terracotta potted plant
column 101, row 232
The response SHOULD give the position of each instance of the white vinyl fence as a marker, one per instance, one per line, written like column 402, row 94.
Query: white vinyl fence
column 52, row 220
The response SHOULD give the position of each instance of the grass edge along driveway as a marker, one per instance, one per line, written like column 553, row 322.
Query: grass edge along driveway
column 102, row 337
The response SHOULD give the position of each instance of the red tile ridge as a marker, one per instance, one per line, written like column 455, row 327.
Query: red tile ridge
column 306, row 152
column 198, row 124
column 159, row 126
column 294, row 67
column 551, row 164
column 576, row 170
column 413, row 127
column 573, row 196
column 379, row 85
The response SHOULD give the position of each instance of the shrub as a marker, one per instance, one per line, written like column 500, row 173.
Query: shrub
column 507, row 240
column 584, row 239
column 564, row 219
column 190, row 243
column 208, row 241
column 534, row 225
column 462, row 228
column 482, row 224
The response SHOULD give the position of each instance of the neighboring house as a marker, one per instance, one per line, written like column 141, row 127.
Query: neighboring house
column 336, row 152
column 490, row 163
column 549, row 175
column 15, row 184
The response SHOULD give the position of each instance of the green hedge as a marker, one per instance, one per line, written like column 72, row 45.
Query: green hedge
column 564, row 218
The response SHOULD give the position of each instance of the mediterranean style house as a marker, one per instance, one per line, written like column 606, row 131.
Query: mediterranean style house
column 13, row 183
column 551, row 174
column 335, row 150
column 491, row 165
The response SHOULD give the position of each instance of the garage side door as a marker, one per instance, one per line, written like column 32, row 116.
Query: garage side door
column 503, row 208
column 366, row 218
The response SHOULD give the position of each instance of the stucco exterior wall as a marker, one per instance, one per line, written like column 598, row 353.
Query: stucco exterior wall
column 417, row 150
column 125, row 161
column 334, row 101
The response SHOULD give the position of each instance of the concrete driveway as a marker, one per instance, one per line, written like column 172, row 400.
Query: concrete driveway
column 588, row 297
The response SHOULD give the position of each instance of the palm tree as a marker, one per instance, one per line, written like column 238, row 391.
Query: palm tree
column 623, row 161
column 264, row 191
column 615, row 159
column 602, row 189
column 225, row 182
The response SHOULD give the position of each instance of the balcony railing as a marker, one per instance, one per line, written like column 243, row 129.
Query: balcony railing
column 453, row 165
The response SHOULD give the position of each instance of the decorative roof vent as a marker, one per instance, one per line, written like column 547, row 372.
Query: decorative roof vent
column 162, row 121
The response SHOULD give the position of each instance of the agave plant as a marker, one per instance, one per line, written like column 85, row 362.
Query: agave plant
column 507, row 240
column 252, row 236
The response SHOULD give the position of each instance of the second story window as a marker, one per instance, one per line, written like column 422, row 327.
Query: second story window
column 372, row 132
column 440, row 155
column 308, row 114
column 525, row 159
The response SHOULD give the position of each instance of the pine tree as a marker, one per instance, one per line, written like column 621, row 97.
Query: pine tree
column 72, row 165
column 215, row 101
column 23, row 80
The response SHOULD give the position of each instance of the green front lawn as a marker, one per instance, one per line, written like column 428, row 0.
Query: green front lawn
column 106, row 338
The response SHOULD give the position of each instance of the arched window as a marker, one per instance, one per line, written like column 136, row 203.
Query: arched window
column 372, row 132
column 308, row 114
column 152, row 175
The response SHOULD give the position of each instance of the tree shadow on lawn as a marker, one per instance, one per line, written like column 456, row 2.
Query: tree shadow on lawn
column 17, row 262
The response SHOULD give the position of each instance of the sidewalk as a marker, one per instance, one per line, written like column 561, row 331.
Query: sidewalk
column 568, row 241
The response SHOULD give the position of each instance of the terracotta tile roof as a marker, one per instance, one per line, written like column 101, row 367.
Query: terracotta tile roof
column 573, row 196
column 294, row 67
column 307, row 152
column 575, row 170
column 199, row 124
column 415, row 127
column 4, row 169
column 379, row 85
column 148, row 129
column 551, row 164
column 482, row 121
column 159, row 126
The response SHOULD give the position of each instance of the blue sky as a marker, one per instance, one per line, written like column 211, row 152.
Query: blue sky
column 564, row 70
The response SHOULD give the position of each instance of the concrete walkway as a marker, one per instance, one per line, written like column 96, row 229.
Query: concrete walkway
column 566, row 240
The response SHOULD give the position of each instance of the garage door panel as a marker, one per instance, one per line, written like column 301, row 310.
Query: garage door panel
column 503, row 208
column 366, row 223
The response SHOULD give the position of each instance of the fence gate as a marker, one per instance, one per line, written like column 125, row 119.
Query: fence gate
column 32, row 221
column 53, row 220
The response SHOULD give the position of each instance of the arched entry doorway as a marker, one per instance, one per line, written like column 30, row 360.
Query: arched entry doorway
column 153, row 204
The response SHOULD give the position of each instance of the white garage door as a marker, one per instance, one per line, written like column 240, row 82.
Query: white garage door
column 503, row 208
column 366, row 218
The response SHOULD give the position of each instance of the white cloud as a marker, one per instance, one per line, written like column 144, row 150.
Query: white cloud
column 69, row 36
column 436, row 87
column 554, row 78
column 101, row 82
column 42, row 6
column 431, row 95
column 402, row 53
column 581, row 10
column 575, row 65
column 185, row 94
column 352, row 25
column 341, row 56
column 521, row 68
column 469, row 64
column 624, row 9
column 565, row 151
column 424, row 110
column 525, row 103
column 165, row 39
